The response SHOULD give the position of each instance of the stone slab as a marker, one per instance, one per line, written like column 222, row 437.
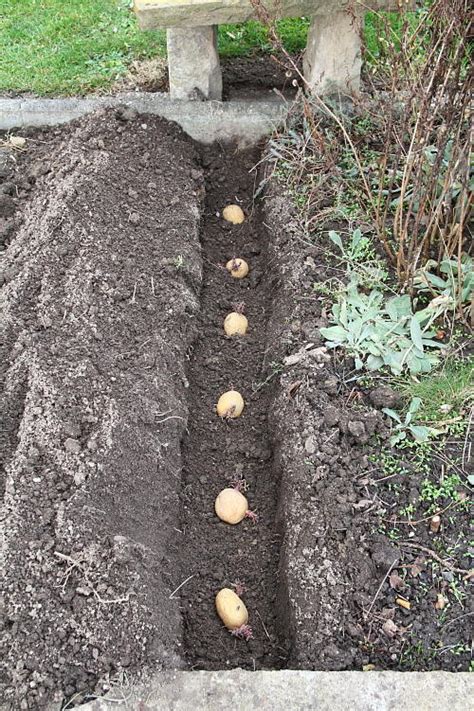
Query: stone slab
column 195, row 13
column 294, row 691
column 193, row 63
column 333, row 61
column 206, row 121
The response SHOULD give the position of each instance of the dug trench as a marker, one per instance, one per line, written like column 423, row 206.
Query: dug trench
column 217, row 452
column 114, row 294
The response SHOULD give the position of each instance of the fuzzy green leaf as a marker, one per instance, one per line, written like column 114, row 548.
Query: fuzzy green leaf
column 334, row 237
column 392, row 413
column 416, row 334
column 420, row 432
column 336, row 333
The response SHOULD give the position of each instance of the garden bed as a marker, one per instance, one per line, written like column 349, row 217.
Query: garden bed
column 114, row 296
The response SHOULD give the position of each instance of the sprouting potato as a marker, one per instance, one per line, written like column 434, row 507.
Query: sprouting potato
column 231, row 609
column 235, row 324
column 230, row 404
column 232, row 506
column 237, row 267
column 234, row 214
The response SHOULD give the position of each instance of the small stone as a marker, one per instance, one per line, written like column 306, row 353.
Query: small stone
column 72, row 445
column 7, row 188
column 6, row 230
column 134, row 218
column 331, row 416
column 38, row 169
column 310, row 444
column 17, row 141
column 79, row 478
column 126, row 114
column 384, row 555
column 330, row 385
column 72, row 430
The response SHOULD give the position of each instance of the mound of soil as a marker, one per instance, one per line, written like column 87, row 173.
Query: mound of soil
column 96, row 323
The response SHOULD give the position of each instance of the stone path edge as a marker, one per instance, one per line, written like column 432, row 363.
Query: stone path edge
column 293, row 691
column 205, row 121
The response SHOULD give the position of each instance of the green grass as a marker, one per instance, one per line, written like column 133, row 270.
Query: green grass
column 245, row 39
column 75, row 46
column 453, row 385
column 58, row 47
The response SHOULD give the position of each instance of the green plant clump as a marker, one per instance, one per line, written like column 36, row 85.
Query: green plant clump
column 380, row 333
column 402, row 427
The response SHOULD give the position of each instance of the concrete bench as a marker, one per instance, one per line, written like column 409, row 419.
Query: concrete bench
column 333, row 54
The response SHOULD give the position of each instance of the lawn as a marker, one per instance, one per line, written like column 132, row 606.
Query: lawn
column 59, row 47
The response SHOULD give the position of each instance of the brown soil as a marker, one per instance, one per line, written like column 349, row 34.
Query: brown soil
column 254, row 77
column 113, row 358
column 96, row 324
column 258, row 76
column 217, row 452
column 347, row 551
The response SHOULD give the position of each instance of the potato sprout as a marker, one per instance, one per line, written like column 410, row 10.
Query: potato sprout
column 234, row 214
column 237, row 268
column 230, row 404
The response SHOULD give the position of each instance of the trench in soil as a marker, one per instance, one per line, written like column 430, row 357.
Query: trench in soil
column 217, row 452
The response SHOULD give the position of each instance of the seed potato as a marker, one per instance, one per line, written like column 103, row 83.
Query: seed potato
column 235, row 324
column 231, row 506
column 237, row 268
column 233, row 214
column 231, row 609
column 230, row 404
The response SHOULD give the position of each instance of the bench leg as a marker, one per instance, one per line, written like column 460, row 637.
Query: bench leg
column 332, row 61
column 193, row 63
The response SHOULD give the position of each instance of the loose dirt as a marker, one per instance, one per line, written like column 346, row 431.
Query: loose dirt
column 96, row 321
column 349, row 549
column 217, row 452
column 114, row 355
column 242, row 77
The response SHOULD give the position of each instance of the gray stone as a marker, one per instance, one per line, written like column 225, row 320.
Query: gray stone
column 153, row 14
column 333, row 60
column 193, row 64
column 310, row 444
column 296, row 690
column 7, row 205
column 245, row 122
column 357, row 430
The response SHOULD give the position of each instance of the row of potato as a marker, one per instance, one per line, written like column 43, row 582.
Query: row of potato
column 231, row 506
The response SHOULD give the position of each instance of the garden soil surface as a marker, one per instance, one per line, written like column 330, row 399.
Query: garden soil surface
column 242, row 77
column 113, row 301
